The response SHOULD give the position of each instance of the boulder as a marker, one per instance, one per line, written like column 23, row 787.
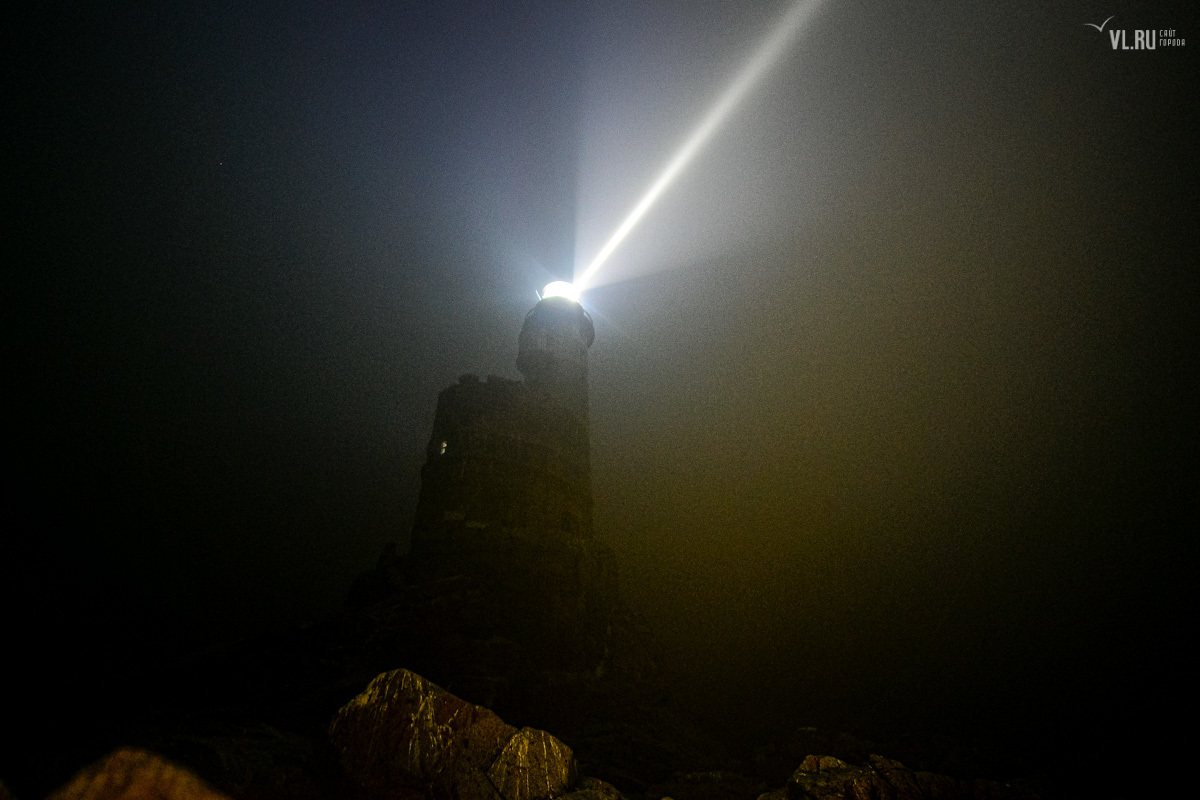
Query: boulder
column 533, row 765
column 405, row 737
column 130, row 774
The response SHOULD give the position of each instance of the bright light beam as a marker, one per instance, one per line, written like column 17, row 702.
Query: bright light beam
column 763, row 59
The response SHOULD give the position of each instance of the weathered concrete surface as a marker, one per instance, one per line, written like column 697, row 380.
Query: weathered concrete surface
column 130, row 774
column 405, row 737
column 829, row 778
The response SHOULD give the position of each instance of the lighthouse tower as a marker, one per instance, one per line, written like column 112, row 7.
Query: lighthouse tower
column 510, row 455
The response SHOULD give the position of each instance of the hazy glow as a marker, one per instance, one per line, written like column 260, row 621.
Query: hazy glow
column 561, row 289
column 758, row 64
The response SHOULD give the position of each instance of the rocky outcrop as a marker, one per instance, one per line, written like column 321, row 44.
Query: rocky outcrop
column 828, row 778
column 130, row 774
column 405, row 737
column 534, row 629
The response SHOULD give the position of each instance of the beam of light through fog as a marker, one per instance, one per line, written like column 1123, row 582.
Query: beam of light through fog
column 759, row 63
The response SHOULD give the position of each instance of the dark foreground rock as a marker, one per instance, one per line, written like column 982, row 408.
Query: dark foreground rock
column 533, row 628
column 245, row 758
column 829, row 778
column 711, row 785
column 130, row 774
column 406, row 737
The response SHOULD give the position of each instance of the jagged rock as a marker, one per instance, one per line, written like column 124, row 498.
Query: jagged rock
column 130, row 774
column 829, row 778
column 405, row 736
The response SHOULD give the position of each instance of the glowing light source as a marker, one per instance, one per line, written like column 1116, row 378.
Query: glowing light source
column 561, row 289
column 758, row 64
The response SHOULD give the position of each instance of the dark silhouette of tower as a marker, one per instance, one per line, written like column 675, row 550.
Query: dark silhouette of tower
column 514, row 455
column 505, row 597
column 552, row 351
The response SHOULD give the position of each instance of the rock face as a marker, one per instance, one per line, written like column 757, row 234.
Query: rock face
column 129, row 774
column 829, row 778
column 405, row 737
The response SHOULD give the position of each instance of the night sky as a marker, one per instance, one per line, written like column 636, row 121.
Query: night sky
column 893, row 395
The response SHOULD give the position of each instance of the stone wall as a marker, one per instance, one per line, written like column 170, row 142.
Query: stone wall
column 515, row 454
column 504, row 454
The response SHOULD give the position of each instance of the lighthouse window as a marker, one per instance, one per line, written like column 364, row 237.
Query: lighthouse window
column 442, row 449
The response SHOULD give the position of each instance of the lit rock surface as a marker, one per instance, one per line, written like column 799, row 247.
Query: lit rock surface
column 532, row 765
column 405, row 737
column 828, row 778
column 129, row 774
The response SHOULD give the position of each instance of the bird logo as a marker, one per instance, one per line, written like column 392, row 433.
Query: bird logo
column 1099, row 27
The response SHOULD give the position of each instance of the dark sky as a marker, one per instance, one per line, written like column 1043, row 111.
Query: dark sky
column 893, row 393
